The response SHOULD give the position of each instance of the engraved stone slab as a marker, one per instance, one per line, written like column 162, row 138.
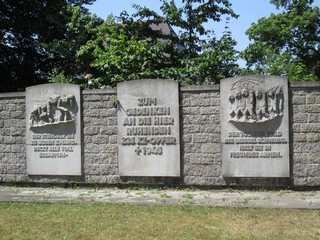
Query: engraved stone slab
column 255, row 126
column 53, row 129
column 148, row 128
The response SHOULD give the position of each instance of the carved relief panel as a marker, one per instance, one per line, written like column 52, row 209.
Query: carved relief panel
column 255, row 127
column 53, row 129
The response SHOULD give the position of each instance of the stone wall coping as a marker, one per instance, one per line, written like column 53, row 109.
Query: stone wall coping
column 193, row 88
column 198, row 88
column 304, row 84
column 12, row 95
column 99, row 91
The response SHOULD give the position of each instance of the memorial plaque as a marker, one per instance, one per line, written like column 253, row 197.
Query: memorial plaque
column 255, row 127
column 148, row 128
column 53, row 129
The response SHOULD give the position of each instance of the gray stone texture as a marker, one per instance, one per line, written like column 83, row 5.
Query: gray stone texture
column 200, row 133
column 12, row 137
column 200, row 158
column 99, row 131
column 305, row 110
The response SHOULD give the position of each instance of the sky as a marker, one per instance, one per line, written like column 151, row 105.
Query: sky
column 249, row 10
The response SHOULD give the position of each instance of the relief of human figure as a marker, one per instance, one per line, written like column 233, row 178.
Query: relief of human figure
column 272, row 103
column 253, row 104
column 54, row 105
column 56, row 109
column 233, row 107
column 44, row 113
column 65, row 105
column 260, row 105
column 248, row 97
column 240, row 105
column 279, row 99
column 34, row 117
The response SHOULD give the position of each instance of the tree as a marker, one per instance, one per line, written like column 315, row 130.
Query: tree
column 33, row 35
column 205, row 59
column 216, row 61
column 68, row 65
column 126, row 51
column 287, row 43
column 133, row 50
column 192, row 17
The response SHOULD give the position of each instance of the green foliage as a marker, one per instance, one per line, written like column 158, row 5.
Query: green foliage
column 59, row 77
column 121, row 56
column 115, row 102
column 191, row 19
column 287, row 43
column 62, row 42
column 80, row 29
column 217, row 61
column 288, row 4
column 132, row 50
column 34, row 40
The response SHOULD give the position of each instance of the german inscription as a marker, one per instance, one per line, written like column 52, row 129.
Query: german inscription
column 254, row 127
column 53, row 130
column 148, row 128
column 53, row 146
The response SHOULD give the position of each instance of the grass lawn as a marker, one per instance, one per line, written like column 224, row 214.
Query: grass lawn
column 115, row 221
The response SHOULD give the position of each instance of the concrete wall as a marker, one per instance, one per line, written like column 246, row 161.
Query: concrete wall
column 200, row 140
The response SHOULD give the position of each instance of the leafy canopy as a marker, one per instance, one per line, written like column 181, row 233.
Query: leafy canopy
column 35, row 39
column 287, row 43
column 60, row 41
column 134, row 49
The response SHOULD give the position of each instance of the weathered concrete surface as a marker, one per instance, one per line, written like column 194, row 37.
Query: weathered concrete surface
column 53, row 130
column 255, row 127
column 148, row 128
column 214, row 198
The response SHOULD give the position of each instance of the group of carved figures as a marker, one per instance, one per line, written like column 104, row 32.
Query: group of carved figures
column 56, row 110
column 256, row 105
